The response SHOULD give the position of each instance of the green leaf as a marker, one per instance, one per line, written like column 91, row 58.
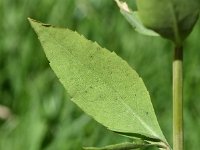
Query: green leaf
column 99, row 82
column 124, row 146
column 134, row 20
column 172, row 19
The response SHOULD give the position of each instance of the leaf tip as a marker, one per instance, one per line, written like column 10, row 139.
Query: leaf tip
column 34, row 24
column 32, row 21
column 122, row 5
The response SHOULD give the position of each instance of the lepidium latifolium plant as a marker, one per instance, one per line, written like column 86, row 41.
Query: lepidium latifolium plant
column 105, row 87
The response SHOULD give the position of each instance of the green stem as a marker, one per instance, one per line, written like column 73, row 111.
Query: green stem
column 178, row 99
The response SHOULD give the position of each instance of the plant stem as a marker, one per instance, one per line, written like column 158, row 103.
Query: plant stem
column 178, row 99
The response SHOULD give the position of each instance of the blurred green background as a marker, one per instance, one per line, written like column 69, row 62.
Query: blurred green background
column 35, row 110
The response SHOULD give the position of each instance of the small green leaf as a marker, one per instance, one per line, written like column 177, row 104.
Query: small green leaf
column 134, row 20
column 122, row 146
column 99, row 82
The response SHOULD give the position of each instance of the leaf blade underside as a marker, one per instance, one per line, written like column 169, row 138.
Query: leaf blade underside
column 99, row 82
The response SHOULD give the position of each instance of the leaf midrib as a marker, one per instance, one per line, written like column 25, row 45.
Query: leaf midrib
column 175, row 23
